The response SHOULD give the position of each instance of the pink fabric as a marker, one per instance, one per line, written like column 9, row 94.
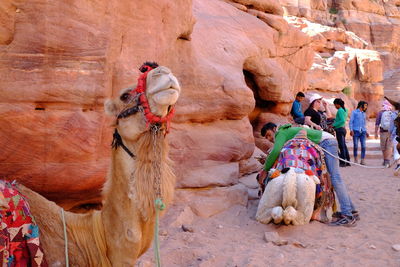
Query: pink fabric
column 386, row 105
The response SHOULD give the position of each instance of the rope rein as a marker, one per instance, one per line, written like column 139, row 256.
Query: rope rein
column 158, row 202
column 65, row 238
column 159, row 206
column 353, row 163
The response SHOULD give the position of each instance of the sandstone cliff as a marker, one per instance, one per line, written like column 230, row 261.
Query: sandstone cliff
column 239, row 62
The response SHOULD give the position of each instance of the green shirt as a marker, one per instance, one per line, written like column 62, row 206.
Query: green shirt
column 284, row 134
column 340, row 119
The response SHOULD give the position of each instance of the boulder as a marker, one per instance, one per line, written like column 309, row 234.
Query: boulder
column 251, row 164
column 369, row 65
column 208, row 202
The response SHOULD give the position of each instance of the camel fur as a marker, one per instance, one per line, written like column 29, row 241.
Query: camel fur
column 123, row 230
column 289, row 198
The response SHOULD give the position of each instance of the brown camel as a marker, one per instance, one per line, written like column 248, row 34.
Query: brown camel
column 140, row 171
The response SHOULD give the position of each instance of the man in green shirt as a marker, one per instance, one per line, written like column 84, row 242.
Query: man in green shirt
column 285, row 133
column 348, row 214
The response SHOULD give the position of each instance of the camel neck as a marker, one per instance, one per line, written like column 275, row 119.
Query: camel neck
column 129, row 194
column 130, row 176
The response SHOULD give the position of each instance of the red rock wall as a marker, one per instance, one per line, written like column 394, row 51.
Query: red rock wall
column 59, row 60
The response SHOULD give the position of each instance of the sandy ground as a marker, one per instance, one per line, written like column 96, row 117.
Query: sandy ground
column 234, row 238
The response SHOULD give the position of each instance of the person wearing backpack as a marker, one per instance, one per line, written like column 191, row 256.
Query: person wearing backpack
column 384, row 124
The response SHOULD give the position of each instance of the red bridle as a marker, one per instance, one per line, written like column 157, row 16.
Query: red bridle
column 150, row 117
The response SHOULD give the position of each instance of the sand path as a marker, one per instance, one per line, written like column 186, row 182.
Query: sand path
column 234, row 238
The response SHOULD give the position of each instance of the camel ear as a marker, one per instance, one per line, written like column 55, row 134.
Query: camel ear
column 110, row 108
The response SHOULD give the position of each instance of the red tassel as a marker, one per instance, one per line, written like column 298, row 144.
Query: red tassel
column 309, row 172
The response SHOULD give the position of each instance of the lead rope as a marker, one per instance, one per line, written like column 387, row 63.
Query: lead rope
column 353, row 163
column 65, row 238
column 158, row 203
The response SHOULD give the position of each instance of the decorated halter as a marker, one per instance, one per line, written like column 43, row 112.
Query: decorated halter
column 139, row 93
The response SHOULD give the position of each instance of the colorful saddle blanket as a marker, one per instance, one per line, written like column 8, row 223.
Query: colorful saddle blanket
column 19, row 233
column 303, row 154
column 300, row 153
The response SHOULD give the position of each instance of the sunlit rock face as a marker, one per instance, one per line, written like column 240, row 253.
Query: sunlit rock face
column 360, row 36
column 239, row 64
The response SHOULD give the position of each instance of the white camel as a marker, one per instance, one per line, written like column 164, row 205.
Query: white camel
column 289, row 198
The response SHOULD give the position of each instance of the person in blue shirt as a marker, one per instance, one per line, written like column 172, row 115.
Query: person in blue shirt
column 358, row 129
column 296, row 111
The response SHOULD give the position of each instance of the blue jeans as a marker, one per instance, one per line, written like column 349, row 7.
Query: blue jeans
column 332, row 164
column 362, row 136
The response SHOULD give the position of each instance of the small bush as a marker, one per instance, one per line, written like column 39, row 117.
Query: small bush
column 333, row 10
column 347, row 90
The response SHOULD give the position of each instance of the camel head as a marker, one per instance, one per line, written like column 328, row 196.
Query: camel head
column 162, row 90
column 148, row 103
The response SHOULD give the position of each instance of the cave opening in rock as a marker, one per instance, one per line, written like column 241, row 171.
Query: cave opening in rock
column 261, row 104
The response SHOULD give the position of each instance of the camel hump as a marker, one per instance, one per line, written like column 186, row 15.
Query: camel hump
column 290, row 189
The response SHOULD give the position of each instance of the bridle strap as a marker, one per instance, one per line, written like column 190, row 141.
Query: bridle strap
column 152, row 121
column 128, row 112
column 117, row 142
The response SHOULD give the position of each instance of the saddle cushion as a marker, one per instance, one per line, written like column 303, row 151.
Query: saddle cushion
column 19, row 233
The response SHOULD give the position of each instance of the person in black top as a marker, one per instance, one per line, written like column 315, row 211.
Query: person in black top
column 315, row 114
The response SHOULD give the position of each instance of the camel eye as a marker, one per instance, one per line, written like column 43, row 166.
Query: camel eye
column 124, row 97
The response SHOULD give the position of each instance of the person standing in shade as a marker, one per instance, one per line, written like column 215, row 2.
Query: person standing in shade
column 385, row 124
column 340, row 130
column 296, row 111
column 358, row 129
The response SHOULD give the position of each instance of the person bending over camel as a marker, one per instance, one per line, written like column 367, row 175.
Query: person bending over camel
column 348, row 214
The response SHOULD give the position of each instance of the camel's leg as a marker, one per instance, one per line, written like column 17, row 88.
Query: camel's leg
column 306, row 198
column 289, row 215
column 264, row 215
column 277, row 214
column 271, row 198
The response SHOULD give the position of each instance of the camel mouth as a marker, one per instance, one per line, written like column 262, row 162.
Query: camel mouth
column 171, row 88
column 166, row 96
